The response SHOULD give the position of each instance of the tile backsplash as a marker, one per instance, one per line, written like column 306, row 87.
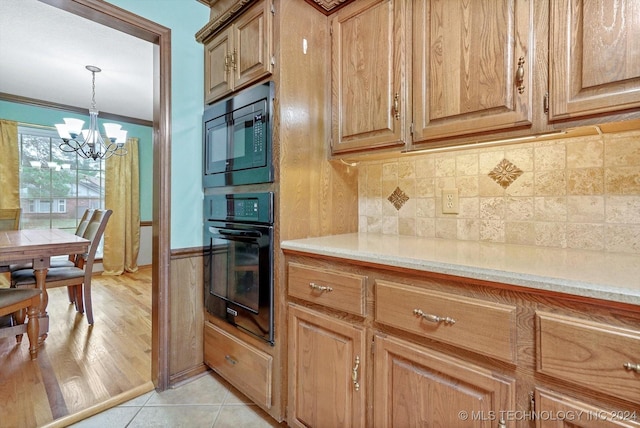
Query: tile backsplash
column 581, row 192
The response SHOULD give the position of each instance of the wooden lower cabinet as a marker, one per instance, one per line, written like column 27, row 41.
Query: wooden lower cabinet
column 418, row 387
column 591, row 354
column 326, row 365
column 245, row 367
column 558, row 411
column 443, row 352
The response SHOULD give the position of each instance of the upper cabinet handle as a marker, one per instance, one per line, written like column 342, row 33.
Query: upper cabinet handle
column 520, row 75
column 233, row 59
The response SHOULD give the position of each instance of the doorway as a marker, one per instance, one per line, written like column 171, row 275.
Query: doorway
column 129, row 23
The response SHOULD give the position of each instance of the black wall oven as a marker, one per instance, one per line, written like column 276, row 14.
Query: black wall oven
column 238, row 262
column 237, row 139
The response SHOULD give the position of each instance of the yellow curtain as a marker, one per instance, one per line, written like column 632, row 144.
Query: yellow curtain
column 122, row 236
column 9, row 165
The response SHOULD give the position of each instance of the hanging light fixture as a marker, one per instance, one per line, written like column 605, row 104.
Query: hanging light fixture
column 88, row 143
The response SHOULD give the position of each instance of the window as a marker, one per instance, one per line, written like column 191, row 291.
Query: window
column 56, row 187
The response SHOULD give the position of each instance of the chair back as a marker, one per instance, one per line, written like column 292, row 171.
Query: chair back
column 84, row 222
column 94, row 231
column 10, row 218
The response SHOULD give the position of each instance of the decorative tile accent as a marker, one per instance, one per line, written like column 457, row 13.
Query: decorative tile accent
column 505, row 173
column 398, row 198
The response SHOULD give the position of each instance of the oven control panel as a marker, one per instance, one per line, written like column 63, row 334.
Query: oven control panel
column 246, row 207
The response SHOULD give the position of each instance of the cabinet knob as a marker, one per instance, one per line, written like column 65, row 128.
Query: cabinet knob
column 632, row 366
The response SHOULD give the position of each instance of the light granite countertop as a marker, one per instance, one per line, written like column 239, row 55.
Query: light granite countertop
column 607, row 276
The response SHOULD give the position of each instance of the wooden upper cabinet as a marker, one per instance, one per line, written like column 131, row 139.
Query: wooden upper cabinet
column 369, row 103
column 217, row 79
column 252, row 38
column 594, row 55
column 472, row 66
column 240, row 54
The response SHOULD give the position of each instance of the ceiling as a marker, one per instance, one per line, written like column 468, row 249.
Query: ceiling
column 44, row 51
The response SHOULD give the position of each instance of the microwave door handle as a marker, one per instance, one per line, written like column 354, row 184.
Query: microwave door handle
column 236, row 233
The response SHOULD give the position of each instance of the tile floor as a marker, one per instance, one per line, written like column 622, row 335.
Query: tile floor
column 207, row 401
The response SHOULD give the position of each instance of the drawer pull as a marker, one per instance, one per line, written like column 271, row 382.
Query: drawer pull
column 632, row 366
column 354, row 374
column 320, row 288
column 433, row 318
column 231, row 360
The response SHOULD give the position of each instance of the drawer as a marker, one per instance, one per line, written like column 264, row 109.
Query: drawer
column 597, row 356
column 550, row 403
column 334, row 289
column 477, row 325
column 245, row 367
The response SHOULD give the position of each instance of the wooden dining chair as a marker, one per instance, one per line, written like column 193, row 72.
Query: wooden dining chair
column 78, row 277
column 10, row 218
column 12, row 302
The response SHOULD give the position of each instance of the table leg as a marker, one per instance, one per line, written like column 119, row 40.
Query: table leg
column 40, row 274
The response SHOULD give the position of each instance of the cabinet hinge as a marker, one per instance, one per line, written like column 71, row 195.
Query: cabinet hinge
column 411, row 129
column 545, row 103
column 373, row 345
column 273, row 9
column 273, row 60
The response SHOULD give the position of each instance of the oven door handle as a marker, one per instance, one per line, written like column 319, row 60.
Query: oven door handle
column 237, row 233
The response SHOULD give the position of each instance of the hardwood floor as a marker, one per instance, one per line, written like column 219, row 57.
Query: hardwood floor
column 80, row 366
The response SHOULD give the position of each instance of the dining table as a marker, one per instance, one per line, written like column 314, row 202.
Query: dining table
column 37, row 246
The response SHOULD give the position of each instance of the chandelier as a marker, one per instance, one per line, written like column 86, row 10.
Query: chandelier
column 89, row 143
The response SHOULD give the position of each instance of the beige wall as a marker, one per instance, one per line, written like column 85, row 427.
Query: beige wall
column 575, row 193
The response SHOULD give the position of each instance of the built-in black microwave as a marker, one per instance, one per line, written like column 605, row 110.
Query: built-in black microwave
column 237, row 138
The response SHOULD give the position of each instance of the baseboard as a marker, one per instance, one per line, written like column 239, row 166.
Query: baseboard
column 65, row 421
column 186, row 375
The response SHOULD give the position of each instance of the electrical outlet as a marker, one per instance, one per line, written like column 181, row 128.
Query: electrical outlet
column 450, row 203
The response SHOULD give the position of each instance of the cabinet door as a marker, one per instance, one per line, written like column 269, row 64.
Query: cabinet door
column 594, row 55
column 417, row 387
column 554, row 410
column 326, row 371
column 251, row 57
column 369, row 103
column 466, row 60
column 217, row 71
